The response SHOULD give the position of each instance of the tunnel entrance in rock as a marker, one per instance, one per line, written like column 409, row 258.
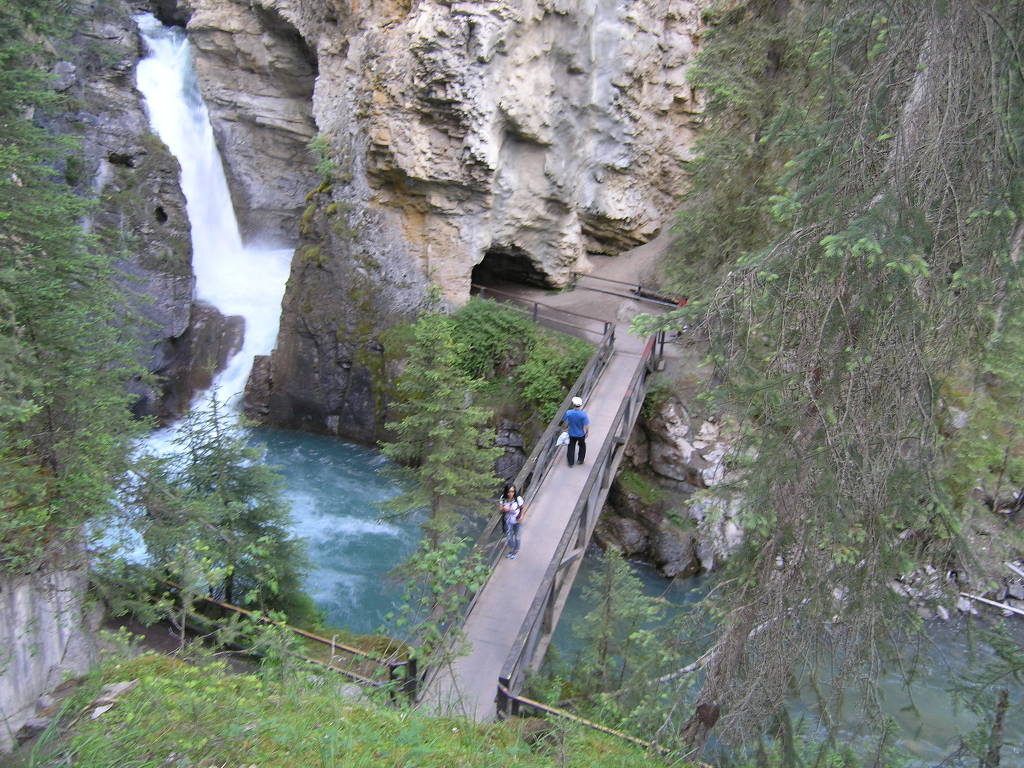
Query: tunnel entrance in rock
column 504, row 264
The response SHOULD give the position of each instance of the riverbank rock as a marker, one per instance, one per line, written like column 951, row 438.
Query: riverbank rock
column 682, row 456
column 511, row 440
column 47, row 632
column 638, row 521
column 205, row 348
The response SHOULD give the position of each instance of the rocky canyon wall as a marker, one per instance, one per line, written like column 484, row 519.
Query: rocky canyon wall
column 497, row 139
column 46, row 635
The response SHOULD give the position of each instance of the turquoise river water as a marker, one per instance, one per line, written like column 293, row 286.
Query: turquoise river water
column 335, row 487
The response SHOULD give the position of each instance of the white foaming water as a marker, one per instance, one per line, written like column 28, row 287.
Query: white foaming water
column 236, row 279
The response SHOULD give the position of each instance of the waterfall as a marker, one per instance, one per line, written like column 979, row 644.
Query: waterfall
column 237, row 279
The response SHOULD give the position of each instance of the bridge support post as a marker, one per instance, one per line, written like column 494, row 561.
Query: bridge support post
column 412, row 681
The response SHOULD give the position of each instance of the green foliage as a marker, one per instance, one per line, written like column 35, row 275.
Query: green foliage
column 491, row 339
column 985, row 689
column 551, row 367
column 213, row 514
column 624, row 644
column 989, row 452
column 853, row 222
column 497, row 344
column 642, row 486
column 326, row 166
column 614, row 632
column 439, row 582
column 64, row 365
column 442, row 442
column 659, row 390
column 207, row 716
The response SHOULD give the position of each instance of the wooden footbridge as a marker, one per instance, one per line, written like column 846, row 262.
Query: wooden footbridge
column 509, row 622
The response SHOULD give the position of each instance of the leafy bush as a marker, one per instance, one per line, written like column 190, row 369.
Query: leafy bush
column 552, row 365
column 491, row 338
column 516, row 362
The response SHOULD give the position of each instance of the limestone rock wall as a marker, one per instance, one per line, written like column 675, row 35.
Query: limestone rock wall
column 140, row 217
column 45, row 635
column 257, row 73
column 672, row 456
column 511, row 136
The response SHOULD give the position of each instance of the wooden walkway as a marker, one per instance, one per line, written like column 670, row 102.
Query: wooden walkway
column 468, row 686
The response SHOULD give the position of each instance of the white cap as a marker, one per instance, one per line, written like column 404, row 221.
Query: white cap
column 577, row 401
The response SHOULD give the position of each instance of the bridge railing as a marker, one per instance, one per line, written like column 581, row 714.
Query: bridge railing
column 540, row 619
column 491, row 542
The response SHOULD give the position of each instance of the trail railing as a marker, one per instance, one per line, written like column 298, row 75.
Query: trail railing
column 399, row 670
column 535, row 632
column 545, row 314
column 633, row 290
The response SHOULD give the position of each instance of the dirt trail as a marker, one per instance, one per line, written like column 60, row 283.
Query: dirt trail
column 635, row 266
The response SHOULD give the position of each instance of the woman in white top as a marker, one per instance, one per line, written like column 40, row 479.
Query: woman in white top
column 513, row 512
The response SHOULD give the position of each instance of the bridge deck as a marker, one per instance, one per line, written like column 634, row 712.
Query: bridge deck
column 469, row 685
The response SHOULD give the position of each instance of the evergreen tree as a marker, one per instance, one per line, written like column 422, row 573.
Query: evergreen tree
column 64, row 365
column 620, row 622
column 442, row 441
column 624, row 647
column 216, row 496
column 858, row 197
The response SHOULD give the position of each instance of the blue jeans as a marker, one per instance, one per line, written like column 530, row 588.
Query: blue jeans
column 512, row 537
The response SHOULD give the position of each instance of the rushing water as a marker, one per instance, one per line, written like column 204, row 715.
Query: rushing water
column 237, row 279
column 334, row 488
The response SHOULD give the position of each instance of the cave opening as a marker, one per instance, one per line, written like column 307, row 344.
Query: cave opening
column 171, row 13
column 505, row 264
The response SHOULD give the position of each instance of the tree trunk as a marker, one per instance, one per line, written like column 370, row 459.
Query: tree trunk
column 995, row 740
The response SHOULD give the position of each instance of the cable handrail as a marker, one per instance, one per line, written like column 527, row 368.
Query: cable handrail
column 484, row 291
column 582, row 721
column 637, row 290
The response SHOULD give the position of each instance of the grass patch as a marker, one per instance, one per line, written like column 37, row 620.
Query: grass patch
column 641, row 486
column 187, row 715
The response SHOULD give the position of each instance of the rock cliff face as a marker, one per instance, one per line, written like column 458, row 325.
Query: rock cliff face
column 46, row 634
column 141, row 213
column 501, row 139
column 652, row 512
column 257, row 73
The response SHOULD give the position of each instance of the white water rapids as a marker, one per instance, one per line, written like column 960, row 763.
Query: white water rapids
column 237, row 279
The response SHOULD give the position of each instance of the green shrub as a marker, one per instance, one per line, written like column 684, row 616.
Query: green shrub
column 491, row 338
column 552, row 365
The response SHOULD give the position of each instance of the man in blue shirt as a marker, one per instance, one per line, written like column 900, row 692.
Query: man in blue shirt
column 579, row 427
